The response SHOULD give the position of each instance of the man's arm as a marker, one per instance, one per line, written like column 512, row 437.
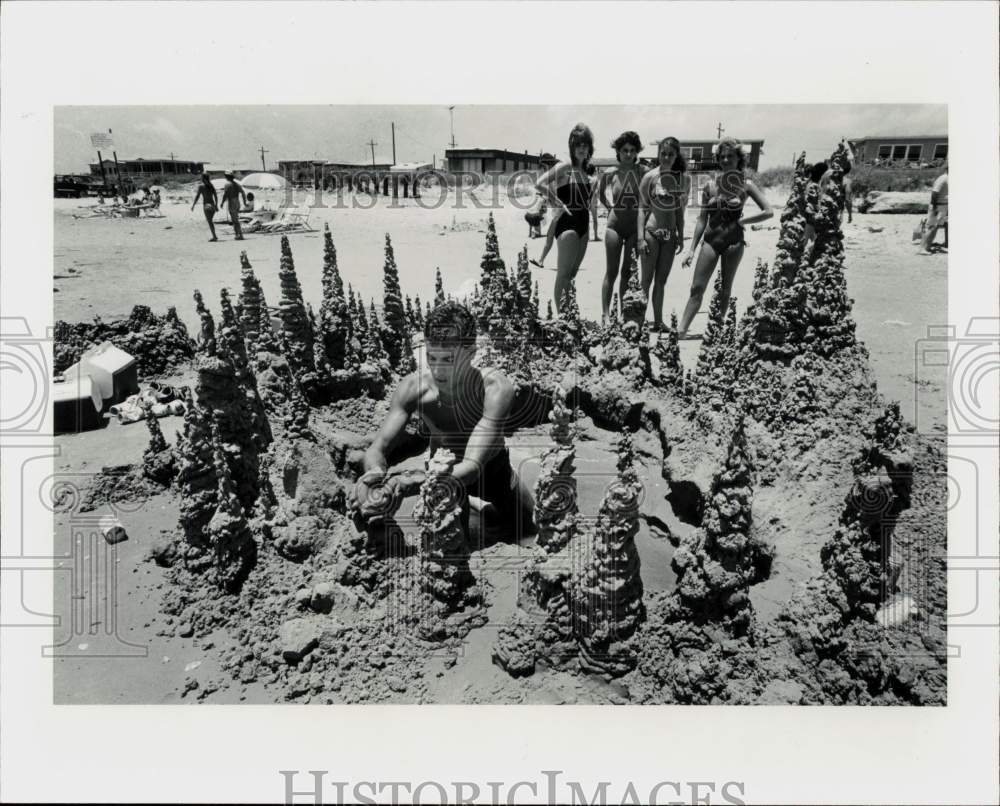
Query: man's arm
column 375, row 462
column 486, row 438
column 402, row 405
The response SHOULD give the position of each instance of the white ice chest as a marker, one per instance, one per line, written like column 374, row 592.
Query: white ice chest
column 76, row 402
column 114, row 372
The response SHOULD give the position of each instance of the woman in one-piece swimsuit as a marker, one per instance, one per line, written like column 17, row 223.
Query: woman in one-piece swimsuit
column 623, row 213
column 721, row 222
column 569, row 188
column 662, row 198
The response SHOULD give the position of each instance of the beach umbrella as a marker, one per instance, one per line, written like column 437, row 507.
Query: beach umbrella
column 263, row 181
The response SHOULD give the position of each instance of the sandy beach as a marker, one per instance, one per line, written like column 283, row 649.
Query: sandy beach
column 105, row 266
column 159, row 261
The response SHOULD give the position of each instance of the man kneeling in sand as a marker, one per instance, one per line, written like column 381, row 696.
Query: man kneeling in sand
column 464, row 408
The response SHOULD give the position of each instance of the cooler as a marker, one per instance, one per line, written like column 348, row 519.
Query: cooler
column 76, row 403
column 114, row 372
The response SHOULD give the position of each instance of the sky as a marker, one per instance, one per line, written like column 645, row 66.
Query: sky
column 233, row 135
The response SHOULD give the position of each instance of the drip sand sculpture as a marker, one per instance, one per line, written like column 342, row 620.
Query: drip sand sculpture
column 779, row 409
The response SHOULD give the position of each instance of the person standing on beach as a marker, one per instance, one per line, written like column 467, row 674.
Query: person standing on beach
column 937, row 214
column 663, row 196
column 232, row 194
column 568, row 186
column 210, row 202
column 721, row 222
column 623, row 213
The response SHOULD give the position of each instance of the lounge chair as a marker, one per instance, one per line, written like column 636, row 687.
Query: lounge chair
column 292, row 219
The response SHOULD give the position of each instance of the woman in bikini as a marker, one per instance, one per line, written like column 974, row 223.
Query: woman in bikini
column 721, row 222
column 620, row 233
column 662, row 198
column 568, row 187
column 210, row 202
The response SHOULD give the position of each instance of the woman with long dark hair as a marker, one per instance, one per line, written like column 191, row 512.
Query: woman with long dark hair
column 720, row 226
column 662, row 198
column 623, row 213
column 210, row 202
column 568, row 187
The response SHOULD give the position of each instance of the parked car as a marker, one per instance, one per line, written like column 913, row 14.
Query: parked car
column 70, row 187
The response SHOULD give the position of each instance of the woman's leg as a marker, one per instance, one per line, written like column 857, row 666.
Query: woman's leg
column 703, row 270
column 566, row 264
column 550, row 237
column 613, row 253
column 664, row 262
column 579, row 255
column 628, row 264
column 730, row 263
column 649, row 261
column 210, row 218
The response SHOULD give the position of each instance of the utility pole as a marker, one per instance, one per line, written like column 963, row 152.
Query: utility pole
column 263, row 151
column 372, row 144
column 451, row 113
column 118, row 172
column 394, row 143
column 171, row 156
column 719, row 130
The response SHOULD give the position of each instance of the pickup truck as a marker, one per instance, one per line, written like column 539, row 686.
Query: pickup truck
column 70, row 187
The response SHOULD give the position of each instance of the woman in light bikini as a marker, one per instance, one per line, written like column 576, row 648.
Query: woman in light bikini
column 662, row 198
column 620, row 233
column 210, row 202
column 721, row 223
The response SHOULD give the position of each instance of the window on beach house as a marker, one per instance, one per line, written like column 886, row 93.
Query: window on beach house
column 696, row 154
column 884, row 152
column 941, row 151
column 913, row 152
column 898, row 152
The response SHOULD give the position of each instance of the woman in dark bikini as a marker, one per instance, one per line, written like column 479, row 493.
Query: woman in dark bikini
column 663, row 196
column 620, row 233
column 721, row 222
column 210, row 202
column 568, row 186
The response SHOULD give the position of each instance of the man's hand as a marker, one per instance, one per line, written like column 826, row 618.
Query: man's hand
column 408, row 482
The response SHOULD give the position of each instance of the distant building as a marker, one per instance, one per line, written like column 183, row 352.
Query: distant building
column 150, row 168
column 216, row 171
column 890, row 149
column 324, row 174
column 700, row 154
column 494, row 160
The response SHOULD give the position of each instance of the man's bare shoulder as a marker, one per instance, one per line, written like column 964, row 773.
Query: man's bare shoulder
column 497, row 388
column 416, row 388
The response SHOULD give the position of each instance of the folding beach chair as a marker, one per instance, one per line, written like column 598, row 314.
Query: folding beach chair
column 292, row 219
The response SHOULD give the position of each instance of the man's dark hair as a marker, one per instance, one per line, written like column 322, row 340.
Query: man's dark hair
column 816, row 171
column 450, row 325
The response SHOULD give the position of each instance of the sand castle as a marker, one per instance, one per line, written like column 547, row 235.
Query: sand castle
column 451, row 598
column 774, row 400
column 607, row 596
